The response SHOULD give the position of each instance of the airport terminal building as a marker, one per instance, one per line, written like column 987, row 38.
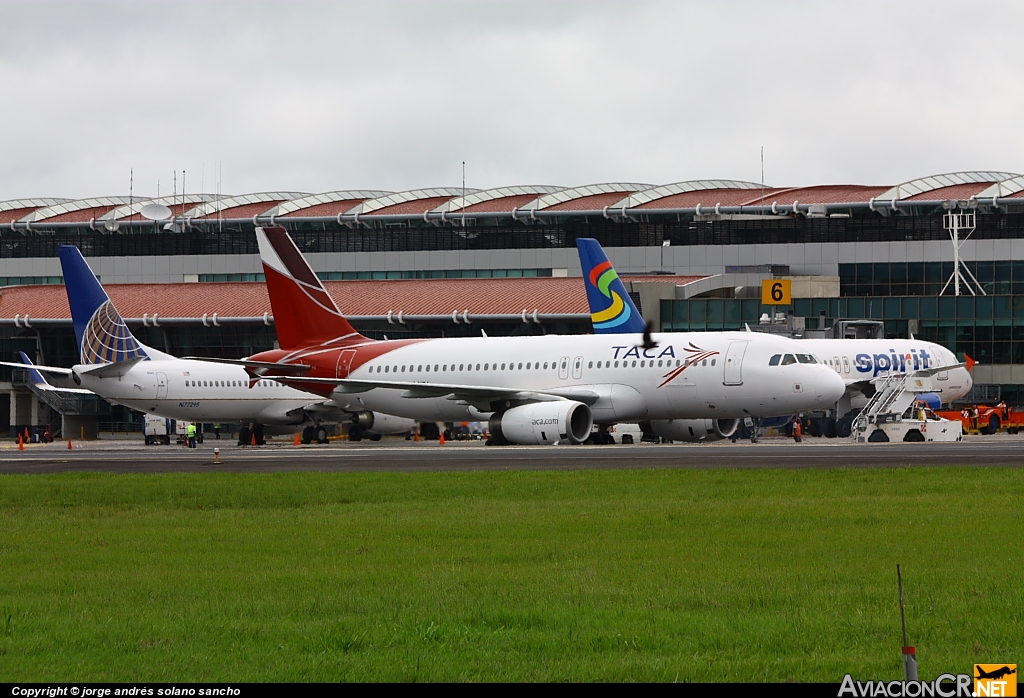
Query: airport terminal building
column 449, row 262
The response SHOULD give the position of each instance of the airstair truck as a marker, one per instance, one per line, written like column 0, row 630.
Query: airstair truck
column 893, row 413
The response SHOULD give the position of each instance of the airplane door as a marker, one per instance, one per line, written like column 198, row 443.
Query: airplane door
column 577, row 367
column 734, row 363
column 563, row 368
column 161, row 385
column 345, row 363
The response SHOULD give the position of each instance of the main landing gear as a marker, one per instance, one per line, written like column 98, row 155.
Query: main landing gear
column 248, row 431
column 317, row 434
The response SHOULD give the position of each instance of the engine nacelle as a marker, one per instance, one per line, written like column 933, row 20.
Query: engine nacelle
column 544, row 423
column 695, row 429
column 380, row 423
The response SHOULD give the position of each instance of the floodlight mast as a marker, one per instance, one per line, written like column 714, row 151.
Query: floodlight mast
column 955, row 222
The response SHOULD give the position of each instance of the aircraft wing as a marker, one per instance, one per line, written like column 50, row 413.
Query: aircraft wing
column 45, row 369
column 475, row 394
column 277, row 368
column 118, row 368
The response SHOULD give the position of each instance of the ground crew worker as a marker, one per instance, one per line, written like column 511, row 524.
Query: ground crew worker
column 191, row 435
column 798, row 430
column 216, row 431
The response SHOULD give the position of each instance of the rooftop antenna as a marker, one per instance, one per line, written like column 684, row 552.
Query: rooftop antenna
column 463, row 193
column 762, row 176
column 131, row 190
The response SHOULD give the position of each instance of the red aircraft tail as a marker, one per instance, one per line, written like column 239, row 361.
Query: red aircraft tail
column 304, row 313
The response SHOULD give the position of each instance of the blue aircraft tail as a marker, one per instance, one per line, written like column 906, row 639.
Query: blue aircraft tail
column 35, row 376
column 611, row 309
column 101, row 333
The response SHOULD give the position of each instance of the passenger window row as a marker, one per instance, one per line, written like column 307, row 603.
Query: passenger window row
column 229, row 384
column 442, row 368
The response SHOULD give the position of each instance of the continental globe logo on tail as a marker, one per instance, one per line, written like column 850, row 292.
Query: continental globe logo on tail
column 106, row 339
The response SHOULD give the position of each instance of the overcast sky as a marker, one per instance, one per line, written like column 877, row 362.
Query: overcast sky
column 318, row 96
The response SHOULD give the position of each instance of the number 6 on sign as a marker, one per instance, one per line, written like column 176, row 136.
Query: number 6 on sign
column 776, row 292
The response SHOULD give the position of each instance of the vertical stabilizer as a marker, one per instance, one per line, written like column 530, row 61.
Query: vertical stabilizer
column 611, row 309
column 304, row 313
column 102, row 336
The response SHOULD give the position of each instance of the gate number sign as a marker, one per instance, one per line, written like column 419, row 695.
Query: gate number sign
column 776, row 292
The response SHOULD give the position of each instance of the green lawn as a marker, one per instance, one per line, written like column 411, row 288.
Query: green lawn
column 590, row 575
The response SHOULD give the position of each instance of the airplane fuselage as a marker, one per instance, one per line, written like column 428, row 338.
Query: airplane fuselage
column 198, row 391
column 688, row 375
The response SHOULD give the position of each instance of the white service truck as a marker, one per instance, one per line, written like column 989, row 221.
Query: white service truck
column 158, row 430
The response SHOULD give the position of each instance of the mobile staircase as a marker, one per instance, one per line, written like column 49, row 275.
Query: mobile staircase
column 890, row 414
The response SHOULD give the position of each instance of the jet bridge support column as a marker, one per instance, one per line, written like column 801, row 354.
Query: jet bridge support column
column 22, row 411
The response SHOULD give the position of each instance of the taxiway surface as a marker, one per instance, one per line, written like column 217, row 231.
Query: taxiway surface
column 402, row 456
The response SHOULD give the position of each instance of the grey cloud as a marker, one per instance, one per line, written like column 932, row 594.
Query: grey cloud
column 395, row 95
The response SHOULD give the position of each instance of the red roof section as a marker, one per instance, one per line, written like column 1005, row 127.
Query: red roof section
column 505, row 203
column 954, row 191
column 559, row 295
column 331, row 208
column 244, row 211
column 414, row 206
column 594, row 202
column 17, row 213
column 80, row 216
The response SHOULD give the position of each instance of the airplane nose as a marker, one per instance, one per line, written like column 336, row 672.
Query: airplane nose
column 828, row 386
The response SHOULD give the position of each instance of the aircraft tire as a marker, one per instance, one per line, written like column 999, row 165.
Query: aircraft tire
column 374, row 437
column 829, row 424
column 244, row 436
column 321, row 435
column 816, row 428
column 355, row 433
column 307, row 435
column 844, row 427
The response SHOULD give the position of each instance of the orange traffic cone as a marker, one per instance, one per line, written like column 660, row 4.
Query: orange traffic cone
column 416, row 437
column 442, row 438
column 21, row 443
column 253, row 440
column 70, row 447
column 298, row 439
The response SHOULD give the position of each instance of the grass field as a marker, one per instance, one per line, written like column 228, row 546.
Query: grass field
column 590, row 575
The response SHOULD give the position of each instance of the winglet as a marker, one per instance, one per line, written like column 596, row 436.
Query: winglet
column 101, row 333
column 304, row 312
column 35, row 376
column 611, row 309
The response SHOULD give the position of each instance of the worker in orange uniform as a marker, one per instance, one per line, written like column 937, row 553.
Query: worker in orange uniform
column 798, row 429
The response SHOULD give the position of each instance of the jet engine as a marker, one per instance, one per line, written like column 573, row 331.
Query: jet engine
column 380, row 423
column 695, row 429
column 544, row 423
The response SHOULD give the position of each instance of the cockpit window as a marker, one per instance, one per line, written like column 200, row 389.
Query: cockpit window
column 774, row 361
column 788, row 359
column 806, row 359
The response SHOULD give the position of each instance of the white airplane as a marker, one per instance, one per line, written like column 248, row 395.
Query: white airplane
column 120, row 369
column 857, row 361
column 534, row 390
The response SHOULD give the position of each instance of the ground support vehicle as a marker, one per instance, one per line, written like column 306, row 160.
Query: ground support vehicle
column 158, row 430
column 893, row 415
column 988, row 419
